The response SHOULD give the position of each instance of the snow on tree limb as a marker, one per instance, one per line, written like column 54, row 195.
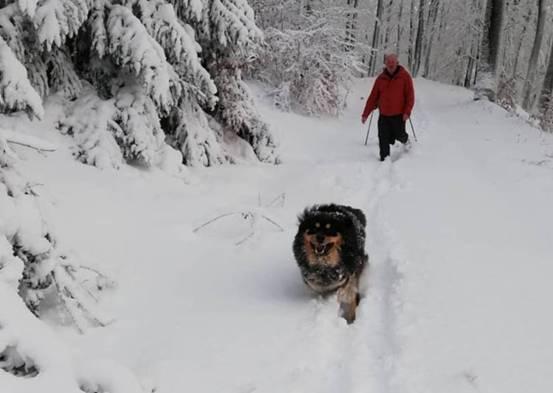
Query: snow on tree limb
column 132, row 47
column 98, row 27
column 178, row 41
column 16, row 92
column 90, row 121
column 34, row 359
column 232, row 22
column 55, row 20
column 26, row 140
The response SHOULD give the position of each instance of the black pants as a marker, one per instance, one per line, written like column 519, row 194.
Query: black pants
column 390, row 129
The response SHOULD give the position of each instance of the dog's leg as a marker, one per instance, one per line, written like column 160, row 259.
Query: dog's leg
column 348, row 297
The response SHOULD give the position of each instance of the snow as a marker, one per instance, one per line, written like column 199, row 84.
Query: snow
column 16, row 90
column 25, row 140
column 455, row 299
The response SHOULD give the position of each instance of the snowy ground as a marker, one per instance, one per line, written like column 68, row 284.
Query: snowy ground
column 459, row 237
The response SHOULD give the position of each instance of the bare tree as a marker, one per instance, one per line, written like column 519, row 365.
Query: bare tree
column 351, row 24
column 432, row 25
column 486, row 85
column 410, row 50
column 518, row 51
column 529, row 96
column 545, row 103
column 399, row 27
column 376, row 37
column 419, row 39
column 389, row 27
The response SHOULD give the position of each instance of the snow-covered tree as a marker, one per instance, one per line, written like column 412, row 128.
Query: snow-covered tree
column 31, row 257
column 529, row 92
column 229, row 37
column 16, row 92
column 310, row 58
column 151, row 64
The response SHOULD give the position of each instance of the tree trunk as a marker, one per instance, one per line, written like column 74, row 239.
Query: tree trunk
column 432, row 19
column 399, row 28
column 441, row 30
column 376, row 38
column 529, row 96
column 486, row 85
column 547, row 86
column 389, row 11
column 418, row 40
column 351, row 24
column 518, row 51
column 410, row 54
column 545, row 107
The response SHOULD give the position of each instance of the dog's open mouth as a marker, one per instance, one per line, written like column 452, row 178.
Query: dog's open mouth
column 322, row 249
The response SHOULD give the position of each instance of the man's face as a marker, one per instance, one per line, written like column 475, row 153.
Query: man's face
column 391, row 63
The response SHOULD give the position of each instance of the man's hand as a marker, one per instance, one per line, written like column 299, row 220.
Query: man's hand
column 363, row 119
column 405, row 117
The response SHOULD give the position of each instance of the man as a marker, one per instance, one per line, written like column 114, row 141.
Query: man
column 394, row 96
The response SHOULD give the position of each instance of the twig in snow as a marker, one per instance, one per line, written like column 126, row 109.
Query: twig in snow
column 212, row 220
column 40, row 149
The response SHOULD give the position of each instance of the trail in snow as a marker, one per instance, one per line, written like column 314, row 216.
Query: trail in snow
column 451, row 262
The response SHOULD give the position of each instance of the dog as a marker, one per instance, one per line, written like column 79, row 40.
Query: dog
column 329, row 248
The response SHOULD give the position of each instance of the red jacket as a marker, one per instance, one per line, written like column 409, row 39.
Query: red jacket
column 392, row 95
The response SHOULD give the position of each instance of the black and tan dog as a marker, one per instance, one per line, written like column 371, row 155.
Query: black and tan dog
column 329, row 248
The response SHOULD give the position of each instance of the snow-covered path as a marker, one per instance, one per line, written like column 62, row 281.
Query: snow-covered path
column 458, row 234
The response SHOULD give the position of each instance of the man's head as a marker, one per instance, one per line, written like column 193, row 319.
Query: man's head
column 391, row 62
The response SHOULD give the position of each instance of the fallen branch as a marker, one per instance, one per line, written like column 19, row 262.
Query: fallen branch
column 27, row 141
column 78, row 301
column 212, row 220
column 252, row 217
column 273, row 222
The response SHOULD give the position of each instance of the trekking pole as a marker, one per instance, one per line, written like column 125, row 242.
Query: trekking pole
column 413, row 128
column 369, row 129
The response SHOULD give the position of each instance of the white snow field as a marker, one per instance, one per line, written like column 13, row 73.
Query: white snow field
column 459, row 237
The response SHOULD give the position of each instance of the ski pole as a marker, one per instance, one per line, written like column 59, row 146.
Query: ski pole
column 413, row 129
column 369, row 129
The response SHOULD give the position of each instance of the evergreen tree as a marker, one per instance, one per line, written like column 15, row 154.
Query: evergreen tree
column 149, row 69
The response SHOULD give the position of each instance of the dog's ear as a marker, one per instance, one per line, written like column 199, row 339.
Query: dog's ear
column 302, row 217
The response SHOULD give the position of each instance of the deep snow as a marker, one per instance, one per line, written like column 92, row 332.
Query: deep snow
column 455, row 299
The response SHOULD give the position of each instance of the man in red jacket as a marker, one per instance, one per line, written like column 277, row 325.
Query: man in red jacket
column 394, row 96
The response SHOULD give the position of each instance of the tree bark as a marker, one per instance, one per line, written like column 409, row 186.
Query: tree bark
column 410, row 51
column 389, row 11
column 418, row 40
column 547, row 87
column 529, row 96
column 432, row 19
column 520, row 41
column 376, row 38
column 486, row 85
column 399, row 27
column 351, row 24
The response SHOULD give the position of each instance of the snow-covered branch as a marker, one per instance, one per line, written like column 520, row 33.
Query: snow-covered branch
column 16, row 92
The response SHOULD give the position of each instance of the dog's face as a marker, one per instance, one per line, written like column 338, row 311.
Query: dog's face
column 322, row 241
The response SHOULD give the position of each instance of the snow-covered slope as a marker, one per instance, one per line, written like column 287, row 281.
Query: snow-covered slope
column 458, row 235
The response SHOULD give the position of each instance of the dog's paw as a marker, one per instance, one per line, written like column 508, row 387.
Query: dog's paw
column 348, row 312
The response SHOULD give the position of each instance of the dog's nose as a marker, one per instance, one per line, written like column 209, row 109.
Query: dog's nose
column 320, row 238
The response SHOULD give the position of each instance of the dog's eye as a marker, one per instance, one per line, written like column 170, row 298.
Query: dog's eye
column 317, row 225
column 327, row 226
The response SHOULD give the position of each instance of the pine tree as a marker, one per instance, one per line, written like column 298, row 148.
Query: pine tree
column 16, row 92
column 31, row 258
column 229, row 36
column 138, row 62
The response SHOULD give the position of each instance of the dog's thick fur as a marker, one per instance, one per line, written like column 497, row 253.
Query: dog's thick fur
column 329, row 248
